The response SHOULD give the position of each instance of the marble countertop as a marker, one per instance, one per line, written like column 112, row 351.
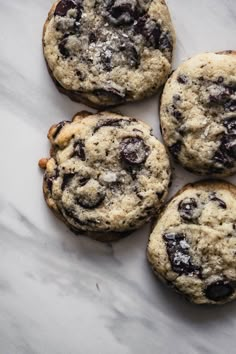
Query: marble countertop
column 61, row 294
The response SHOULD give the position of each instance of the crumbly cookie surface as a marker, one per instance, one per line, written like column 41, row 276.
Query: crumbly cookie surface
column 198, row 114
column 193, row 245
column 107, row 173
column 105, row 52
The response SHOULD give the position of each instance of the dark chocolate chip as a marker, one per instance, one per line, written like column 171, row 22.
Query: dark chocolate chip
column 62, row 48
column 182, row 79
column 187, row 209
column 176, row 98
column 178, row 253
column 214, row 198
column 80, row 75
column 160, row 194
column 134, row 150
column 219, row 290
column 174, row 112
column 175, row 149
column 177, row 114
column 79, row 150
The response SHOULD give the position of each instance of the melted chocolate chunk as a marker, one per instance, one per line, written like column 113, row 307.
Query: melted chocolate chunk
column 230, row 105
column 92, row 38
column 59, row 128
column 221, row 95
column 122, row 12
column 106, row 58
column 49, row 180
column 214, row 198
column 178, row 253
column 153, row 33
column 111, row 92
column 226, row 154
column 62, row 48
column 82, row 180
column 110, row 123
column 219, row 291
column 66, row 180
column 134, row 151
column 230, row 125
column 131, row 53
column 150, row 30
column 64, row 6
column 79, row 150
column 175, row 149
column 72, row 214
column 187, row 209
column 165, row 42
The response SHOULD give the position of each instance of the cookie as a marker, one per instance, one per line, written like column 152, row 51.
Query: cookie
column 107, row 175
column 107, row 52
column 198, row 114
column 193, row 245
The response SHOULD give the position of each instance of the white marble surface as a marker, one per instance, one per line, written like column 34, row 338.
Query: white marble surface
column 65, row 295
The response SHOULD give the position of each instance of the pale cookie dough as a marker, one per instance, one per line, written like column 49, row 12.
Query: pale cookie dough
column 107, row 52
column 198, row 114
column 107, row 175
column 193, row 245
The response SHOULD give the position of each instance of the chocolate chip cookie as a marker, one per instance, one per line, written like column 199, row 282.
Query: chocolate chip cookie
column 107, row 52
column 198, row 114
column 193, row 245
column 107, row 174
